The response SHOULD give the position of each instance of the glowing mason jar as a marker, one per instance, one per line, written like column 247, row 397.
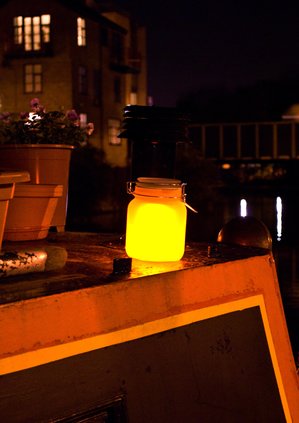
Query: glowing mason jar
column 156, row 220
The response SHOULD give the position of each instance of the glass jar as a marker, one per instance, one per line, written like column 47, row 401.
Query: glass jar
column 156, row 220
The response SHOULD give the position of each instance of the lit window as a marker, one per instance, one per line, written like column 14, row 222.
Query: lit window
column 18, row 29
column 45, row 28
column 81, row 32
column 82, row 76
column 28, row 42
column 32, row 32
column 33, row 78
column 83, row 120
column 36, row 33
column 134, row 90
column 133, row 98
column 113, row 131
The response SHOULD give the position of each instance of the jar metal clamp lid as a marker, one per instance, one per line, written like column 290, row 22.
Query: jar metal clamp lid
column 159, row 188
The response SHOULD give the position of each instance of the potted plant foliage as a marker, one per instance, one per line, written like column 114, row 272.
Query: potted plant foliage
column 41, row 143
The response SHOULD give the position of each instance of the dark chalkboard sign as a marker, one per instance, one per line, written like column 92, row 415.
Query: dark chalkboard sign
column 213, row 370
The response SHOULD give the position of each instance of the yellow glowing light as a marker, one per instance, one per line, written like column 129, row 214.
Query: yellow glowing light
column 156, row 225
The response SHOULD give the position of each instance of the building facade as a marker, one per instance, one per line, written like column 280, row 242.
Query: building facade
column 80, row 55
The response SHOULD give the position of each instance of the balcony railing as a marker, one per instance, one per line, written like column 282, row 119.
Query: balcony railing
column 247, row 141
column 127, row 63
column 15, row 51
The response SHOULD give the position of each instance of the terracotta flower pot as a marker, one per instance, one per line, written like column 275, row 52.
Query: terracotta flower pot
column 47, row 164
column 7, row 187
column 30, row 211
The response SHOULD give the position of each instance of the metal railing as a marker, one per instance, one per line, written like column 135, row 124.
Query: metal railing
column 247, row 141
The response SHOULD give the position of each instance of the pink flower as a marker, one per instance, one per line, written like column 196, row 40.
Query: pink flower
column 24, row 115
column 35, row 105
column 34, row 102
column 72, row 115
column 5, row 117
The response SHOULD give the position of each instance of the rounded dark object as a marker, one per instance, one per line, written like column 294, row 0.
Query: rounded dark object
column 247, row 231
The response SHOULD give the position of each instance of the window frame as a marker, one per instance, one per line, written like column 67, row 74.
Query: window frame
column 37, row 78
column 32, row 32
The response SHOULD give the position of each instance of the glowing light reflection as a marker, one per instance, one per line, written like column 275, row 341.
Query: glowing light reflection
column 243, row 208
column 279, row 218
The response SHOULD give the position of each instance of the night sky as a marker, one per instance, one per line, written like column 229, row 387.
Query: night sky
column 194, row 44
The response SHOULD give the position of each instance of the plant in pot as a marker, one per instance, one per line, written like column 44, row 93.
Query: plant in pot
column 41, row 143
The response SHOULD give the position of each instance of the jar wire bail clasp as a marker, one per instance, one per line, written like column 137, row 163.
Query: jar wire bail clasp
column 184, row 196
column 131, row 189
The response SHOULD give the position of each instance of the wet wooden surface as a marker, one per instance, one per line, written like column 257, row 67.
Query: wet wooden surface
column 90, row 262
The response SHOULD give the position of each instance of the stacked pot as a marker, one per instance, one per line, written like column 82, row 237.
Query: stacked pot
column 8, row 180
column 41, row 203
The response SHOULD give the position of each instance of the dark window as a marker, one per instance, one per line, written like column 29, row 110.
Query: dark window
column 117, row 48
column 104, row 37
column 82, row 74
column 97, row 87
column 117, row 90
